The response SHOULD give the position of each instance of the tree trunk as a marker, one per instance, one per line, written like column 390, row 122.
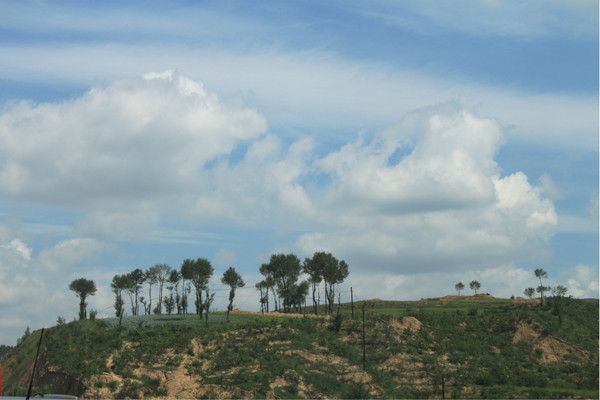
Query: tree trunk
column 132, row 303
column 149, row 298
column 274, row 298
column 314, row 298
column 82, row 313
column 160, row 296
column 267, row 297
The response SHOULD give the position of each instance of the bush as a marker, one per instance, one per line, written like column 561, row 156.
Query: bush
column 336, row 323
column 356, row 391
column 484, row 378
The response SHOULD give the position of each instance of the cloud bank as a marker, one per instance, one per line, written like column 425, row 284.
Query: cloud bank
column 425, row 196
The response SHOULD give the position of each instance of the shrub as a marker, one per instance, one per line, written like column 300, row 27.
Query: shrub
column 336, row 323
column 356, row 391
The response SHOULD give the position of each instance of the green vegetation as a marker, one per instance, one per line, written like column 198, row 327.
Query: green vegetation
column 479, row 347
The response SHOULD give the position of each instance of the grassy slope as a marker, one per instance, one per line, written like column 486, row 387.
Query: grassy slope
column 469, row 344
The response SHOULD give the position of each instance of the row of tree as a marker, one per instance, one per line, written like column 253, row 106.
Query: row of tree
column 179, row 282
column 281, row 276
column 193, row 274
column 557, row 291
column 281, row 282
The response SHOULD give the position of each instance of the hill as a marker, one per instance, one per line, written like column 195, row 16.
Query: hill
column 485, row 348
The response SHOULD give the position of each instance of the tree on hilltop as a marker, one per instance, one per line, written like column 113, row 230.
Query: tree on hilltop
column 459, row 286
column 314, row 267
column 83, row 288
column 529, row 292
column 151, row 278
column 334, row 272
column 541, row 274
column 198, row 272
column 118, row 284
column 232, row 279
column 135, row 279
column 284, row 270
column 173, row 280
column 162, row 273
column 474, row 285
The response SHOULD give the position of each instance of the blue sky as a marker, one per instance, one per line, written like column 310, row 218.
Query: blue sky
column 424, row 142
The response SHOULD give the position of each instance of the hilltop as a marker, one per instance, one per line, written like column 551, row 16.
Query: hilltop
column 474, row 348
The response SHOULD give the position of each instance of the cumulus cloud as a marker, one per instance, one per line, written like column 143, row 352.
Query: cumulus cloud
column 583, row 281
column 444, row 203
column 425, row 195
column 130, row 141
column 424, row 192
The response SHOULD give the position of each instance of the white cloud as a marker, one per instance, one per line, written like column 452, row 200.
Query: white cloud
column 583, row 281
column 130, row 141
column 444, row 205
column 426, row 195
column 336, row 93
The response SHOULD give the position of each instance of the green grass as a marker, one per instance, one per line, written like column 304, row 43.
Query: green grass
column 468, row 343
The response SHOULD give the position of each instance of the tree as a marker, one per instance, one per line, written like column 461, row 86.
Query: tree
column 135, row 279
column 151, row 279
column 541, row 289
column 334, row 272
column 558, row 293
column 83, row 288
column 198, row 272
column 529, row 292
column 266, row 271
column 169, row 303
column 118, row 284
column 299, row 293
column 260, row 286
column 459, row 286
column 475, row 285
column 186, row 271
column 314, row 267
column 232, row 279
column 284, row 269
column 208, row 300
column 541, row 274
column 173, row 280
column 144, row 304
column 161, row 272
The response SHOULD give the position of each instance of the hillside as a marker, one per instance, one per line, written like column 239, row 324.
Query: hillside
column 478, row 348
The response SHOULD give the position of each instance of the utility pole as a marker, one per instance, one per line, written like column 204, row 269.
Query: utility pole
column 339, row 303
column 352, row 301
column 364, row 355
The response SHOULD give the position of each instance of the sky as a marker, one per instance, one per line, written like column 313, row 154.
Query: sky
column 423, row 142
